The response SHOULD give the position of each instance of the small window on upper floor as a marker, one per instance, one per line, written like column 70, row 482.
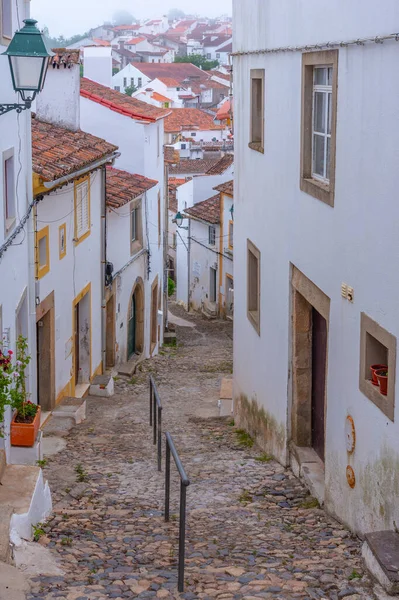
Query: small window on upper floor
column 82, row 209
column 139, row 82
column 125, row 82
column 6, row 20
column 42, row 252
column 136, row 229
column 253, row 285
column 117, row 88
column 9, row 190
column 257, row 124
column 212, row 235
column 231, row 233
column 319, row 108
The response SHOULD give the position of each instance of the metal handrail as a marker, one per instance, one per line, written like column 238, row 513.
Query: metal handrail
column 184, row 483
column 156, row 419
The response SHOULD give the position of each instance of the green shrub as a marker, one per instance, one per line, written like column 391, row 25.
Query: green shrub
column 171, row 287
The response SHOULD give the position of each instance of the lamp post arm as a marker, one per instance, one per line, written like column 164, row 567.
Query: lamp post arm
column 5, row 108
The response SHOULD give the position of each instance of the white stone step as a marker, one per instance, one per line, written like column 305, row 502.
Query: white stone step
column 28, row 495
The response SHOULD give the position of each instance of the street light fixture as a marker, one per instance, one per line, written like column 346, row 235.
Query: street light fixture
column 28, row 60
column 179, row 220
column 232, row 212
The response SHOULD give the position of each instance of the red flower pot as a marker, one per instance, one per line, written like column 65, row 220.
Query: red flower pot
column 25, row 434
column 373, row 369
column 382, row 376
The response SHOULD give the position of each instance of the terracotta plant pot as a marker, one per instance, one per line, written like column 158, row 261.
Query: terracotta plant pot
column 373, row 369
column 25, row 434
column 382, row 376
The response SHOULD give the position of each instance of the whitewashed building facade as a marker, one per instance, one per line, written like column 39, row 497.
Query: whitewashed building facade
column 316, row 235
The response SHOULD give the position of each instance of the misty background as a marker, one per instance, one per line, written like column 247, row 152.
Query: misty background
column 78, row 16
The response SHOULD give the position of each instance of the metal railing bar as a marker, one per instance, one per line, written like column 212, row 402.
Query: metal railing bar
column 156, row 419
column 183, row 476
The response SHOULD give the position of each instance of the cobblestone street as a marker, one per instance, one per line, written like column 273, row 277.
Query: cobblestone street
column 253, row 531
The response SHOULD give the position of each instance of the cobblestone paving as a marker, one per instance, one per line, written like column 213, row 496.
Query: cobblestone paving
column 253, row 531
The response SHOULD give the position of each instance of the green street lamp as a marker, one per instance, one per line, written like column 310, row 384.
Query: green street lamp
column 179, row 220
column 28, row 59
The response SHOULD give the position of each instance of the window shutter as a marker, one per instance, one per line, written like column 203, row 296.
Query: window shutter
column 82, row 209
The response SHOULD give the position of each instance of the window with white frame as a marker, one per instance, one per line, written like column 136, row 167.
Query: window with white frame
column 82, row 209
column 322, row 112
column 9, row 190
column 139, row 82
column 132, row 81
column 212, row 235
column 125, row 82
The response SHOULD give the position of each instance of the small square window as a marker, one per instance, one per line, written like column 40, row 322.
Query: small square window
column 117, row 88
column 377, row 350
column 212, row 235
column 253, row 285
column 257, row 125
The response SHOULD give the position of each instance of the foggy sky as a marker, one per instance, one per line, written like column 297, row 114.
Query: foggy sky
column 77, row 16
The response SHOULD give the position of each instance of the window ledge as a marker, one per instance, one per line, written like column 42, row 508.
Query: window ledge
column 257, row 146
column 77, row 241
column 384, row 403
column 254, row 319
column 10, row 224
column 319, row 190
column 135, row 247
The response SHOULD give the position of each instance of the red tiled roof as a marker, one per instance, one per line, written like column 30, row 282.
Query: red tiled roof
column 226, row 188
column 218, row 41
column 169, row 81
column 122, row 187
column 171, row 155
column 159, row 98
column 160, row 52
column 64, row 57
column 222, row 165
column 135, row 40
column 177, row 71
column 57, row 152
column 125, row 27
column 224, row 111
column 121, row 103
column 198, row 166
column 99, row 42
column 189, row 118
column 208, row 210
column 173, row 184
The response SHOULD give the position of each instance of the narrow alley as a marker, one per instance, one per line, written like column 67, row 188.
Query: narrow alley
column 253, row 531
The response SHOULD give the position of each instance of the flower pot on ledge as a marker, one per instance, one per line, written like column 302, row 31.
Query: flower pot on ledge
column 382, row 376
column 373, row 369
column 25, row 434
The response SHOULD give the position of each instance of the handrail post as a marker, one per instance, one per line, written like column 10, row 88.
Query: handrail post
column 155, row 419
column 159, row 438
column 151, row 392
column 182, row 536
column 167, row 482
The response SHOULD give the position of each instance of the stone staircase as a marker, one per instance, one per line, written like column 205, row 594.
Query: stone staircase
column 25, row 500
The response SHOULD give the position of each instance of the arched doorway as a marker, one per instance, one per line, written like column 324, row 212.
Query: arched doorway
column 135, row 330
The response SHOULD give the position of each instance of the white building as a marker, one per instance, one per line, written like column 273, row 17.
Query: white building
column 193, row 124
column 316, row 232
column 69, row 187
column 21, row 480
column 137, row 129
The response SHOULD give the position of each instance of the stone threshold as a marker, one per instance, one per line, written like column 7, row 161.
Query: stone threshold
column 309, row 467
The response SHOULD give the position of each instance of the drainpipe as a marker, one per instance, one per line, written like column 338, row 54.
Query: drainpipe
column 103, row 265
column 188, row 265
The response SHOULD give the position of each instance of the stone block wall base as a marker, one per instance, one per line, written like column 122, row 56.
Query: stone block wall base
column 27, row 456
column 103, row 386
column 381, row 555
column 71, row 408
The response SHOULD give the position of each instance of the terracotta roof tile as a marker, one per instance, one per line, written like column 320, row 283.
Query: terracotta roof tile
column 171, row 155
column 226, row 188
column 198, row 166
column 121, row 103
column 208, row 210
column 65, row 57
column 181, row 119
column 224, row 111
column 57, row 152
column 177, row 71
column 160, row 98
column 122, row 187
column 220, row 167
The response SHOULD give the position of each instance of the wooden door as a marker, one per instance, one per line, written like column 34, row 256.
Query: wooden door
column 110, row 333
column 319, row 359
column 76, row 341
column 45, row 359
column 131, row 340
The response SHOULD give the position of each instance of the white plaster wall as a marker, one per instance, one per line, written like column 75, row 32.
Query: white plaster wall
column 98, row 64
column 204, row 184
column 185, row 199
column 206, row 135
column 16, row 276
column 227, row 258
column 201, row 260
column 69, row 276
column 141, row 152
column 129, row 71
column 354, row 242
column 58, row 103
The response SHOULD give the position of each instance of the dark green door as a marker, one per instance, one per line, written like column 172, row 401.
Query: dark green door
column 131, row 340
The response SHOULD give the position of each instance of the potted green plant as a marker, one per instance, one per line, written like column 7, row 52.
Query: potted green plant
column 26, row 420
column 382, row 376
column 373, row 369
column 6, row 368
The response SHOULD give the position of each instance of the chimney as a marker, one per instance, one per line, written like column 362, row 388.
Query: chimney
column 59, row 101
column 122, row 44
column 98, row 64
